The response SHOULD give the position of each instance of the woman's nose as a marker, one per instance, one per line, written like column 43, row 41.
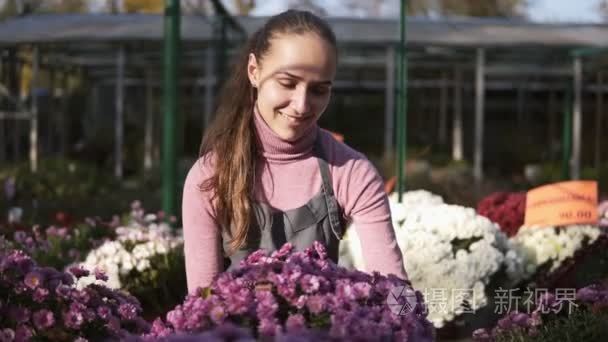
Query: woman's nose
column 301, row 101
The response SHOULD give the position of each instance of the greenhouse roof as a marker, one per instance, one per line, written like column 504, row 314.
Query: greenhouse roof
column 420, row 31
column 513, row 47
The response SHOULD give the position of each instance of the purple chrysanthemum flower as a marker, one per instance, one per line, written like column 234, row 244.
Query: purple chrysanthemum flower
column 309, row 283
column 62, row 233
column 34, row 279
column 535, row 319
column 505, row 323
column 345, row 291
column 40, row 295
column 63, row 291
column 283, row 252
column 7, row 335
column 43, row 319
column 104, row 312
column 255, row 257
column 100, row 274
column 520, row 319
column 73, row 319
column 315, row 304
column 295, row 323
column 159, row 329
column 23, row 333
column 320, row 249
column 127, row 311
column 588, row 294
column 17, row 261
column 81, row 296
column 362, row 290
column 267, row 304
column 239, row 302
column 269, row 327
column 176, row 318
column 20, row 236
column 78, row 271
column 113, row 325
column 19, row 314
column 217, row 314
column 481, row 335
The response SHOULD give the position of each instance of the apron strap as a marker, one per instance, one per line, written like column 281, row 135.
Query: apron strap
column 328, row 192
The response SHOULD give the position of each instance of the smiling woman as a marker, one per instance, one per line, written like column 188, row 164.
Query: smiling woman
column 267, row 174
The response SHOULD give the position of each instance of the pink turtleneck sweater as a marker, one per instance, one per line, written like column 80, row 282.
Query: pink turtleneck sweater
column 290, row 178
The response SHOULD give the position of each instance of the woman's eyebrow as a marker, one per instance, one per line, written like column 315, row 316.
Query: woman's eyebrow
column 327, row 82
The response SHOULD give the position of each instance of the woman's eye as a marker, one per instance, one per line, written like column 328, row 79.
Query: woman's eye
column 320, row 90
column 287, row 84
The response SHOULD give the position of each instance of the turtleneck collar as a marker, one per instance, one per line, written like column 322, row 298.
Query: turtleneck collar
column 275, row 149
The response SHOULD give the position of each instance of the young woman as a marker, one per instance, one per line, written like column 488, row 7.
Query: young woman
column 267, row 173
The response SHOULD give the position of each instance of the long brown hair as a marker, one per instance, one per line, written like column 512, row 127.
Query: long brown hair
column 231, row 138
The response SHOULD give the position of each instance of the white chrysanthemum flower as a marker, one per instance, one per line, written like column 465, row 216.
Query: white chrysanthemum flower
column 150, row 217
column 350, row 247
column 143, row 265
column 552, row 245
column 109, row 258
column 145, row 241
column 140, row 252
column 109, row 248
column 411, row 199
column 450, row 254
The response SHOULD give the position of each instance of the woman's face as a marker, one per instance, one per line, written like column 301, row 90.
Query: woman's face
column 293, row 82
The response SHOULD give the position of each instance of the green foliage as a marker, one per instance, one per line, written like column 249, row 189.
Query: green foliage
column 161, row 286
column 144, row 6
column 552, row 172
column 582, row 325
column 11, row 8
column 463, row 244
column 474, row 8
column 244, row 6
column 75, row 188
column 69, row 6
column 492, row 8
column 58, row 179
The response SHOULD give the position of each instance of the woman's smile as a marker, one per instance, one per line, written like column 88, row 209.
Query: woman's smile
column 296, row 119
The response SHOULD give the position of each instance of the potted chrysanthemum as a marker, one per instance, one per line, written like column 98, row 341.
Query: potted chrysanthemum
column 287, row 292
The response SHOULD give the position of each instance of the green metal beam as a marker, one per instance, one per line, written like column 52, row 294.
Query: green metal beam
column 171, row 56
column 402, row 106
column 590, row 51
column 223, row 23
column 227, row 19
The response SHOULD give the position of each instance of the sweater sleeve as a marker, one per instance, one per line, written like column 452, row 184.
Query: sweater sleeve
column 202, row 239
column 366, row 204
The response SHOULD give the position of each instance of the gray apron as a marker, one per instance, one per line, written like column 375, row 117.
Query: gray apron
column 320, row 219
